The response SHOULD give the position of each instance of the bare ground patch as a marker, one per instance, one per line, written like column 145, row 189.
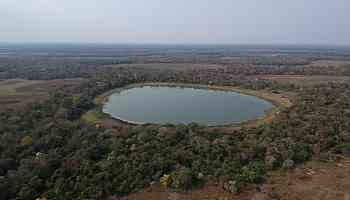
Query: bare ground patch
column 315, row 180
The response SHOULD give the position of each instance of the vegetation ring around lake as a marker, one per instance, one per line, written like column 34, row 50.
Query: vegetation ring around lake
column 253, row 107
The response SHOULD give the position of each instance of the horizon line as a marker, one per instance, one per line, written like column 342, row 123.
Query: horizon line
column 170, row 43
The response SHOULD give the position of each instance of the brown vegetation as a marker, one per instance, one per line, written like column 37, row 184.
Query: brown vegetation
column 19, row 92
column 315, row 180
column 54, row 148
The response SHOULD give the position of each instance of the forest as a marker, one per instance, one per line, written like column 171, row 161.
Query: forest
column 48, row 152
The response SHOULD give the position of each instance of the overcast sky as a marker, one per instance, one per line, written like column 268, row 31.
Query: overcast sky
column 176, row 21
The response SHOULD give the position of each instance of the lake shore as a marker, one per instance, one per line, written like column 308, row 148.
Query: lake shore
column 279, row 101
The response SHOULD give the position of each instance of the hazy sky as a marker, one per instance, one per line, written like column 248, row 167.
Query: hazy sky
column 176, row 21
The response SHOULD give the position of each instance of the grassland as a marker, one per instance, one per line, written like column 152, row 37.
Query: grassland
column 170, row 66
column 18, row 92
column 9, row 87
column 302, row 80
column 93, row 117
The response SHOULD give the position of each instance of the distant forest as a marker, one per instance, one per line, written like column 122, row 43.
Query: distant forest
column 48, row 151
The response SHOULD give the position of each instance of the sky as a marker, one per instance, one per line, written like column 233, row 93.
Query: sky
column 176, row 21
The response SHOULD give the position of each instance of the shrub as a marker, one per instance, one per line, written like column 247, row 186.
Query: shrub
column 182, row 178
column 342, row 149
column 26, row 141
column 301, row 156
column 165, row 180
column 252, row 173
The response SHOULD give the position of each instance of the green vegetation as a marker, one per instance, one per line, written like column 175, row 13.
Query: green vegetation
column 92, row 117
column 343, row 149
column 51, row 148
column 26, row 141
column 47, row 149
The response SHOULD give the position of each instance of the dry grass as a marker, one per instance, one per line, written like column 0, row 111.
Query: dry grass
column 315, row 180
column 5, row 91
column 330, row 63
column 17, row 92
column 9, row 87
column 170, row 66
column 304, row 80
column 92, row 117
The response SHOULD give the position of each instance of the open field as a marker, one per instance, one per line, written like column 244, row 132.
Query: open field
column 330, row 63
column 92, row 117
column 9, row 87
column 16, row 92
column 170, row 66
column 304, row 80
column 314, row 180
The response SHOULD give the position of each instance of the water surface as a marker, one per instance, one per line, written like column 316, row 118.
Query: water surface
column 162, row 104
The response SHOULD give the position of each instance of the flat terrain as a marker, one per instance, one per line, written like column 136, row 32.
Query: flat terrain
column 304, row 80
column 330, row 63
column 315, row 180
column 17, row 92
column 46, row 150
column 170, row 66
column 279, row 100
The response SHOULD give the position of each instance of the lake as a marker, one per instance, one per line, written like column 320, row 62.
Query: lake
column 165, row 104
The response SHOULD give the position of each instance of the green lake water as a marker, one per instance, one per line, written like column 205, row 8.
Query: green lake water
column 163, row 104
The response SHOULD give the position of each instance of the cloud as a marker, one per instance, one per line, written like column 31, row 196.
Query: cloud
column 224, row 21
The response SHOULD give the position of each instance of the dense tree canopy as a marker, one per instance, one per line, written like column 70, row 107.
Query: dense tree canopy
column 45, row 149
